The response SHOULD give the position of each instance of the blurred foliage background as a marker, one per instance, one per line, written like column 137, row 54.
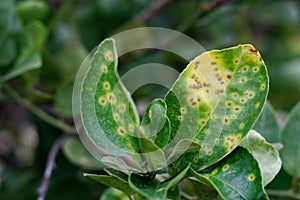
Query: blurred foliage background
column 44, row 42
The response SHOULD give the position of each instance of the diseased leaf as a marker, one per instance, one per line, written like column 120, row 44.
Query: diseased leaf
column 117, row 119
column 215, row 102
column 123, row 163
column 267, row 124
column 290, row 139
column 108, row 113
column 77, row 154
column 235, row 177
column 155, row 189
column 265, row 154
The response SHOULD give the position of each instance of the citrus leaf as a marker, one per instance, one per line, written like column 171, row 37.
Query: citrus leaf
column 290, row 139
column 235, row 177
column 201, row 190
column 77, row 154
column 108, row 113
column 154, row 189
column 112, row 180
column 112, row 193
column 267, row 124
column 265, row 154
column 155, row 124
column 215, row 102
column 155, row 129
column 123, row 163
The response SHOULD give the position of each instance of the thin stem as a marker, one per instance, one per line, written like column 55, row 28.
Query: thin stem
column 155, row 7
column 202, row 10
column 42, row 190
column 283, row 194
column 38, row 112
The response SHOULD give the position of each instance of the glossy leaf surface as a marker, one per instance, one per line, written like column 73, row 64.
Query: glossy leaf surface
column 235, row 177
column 107, row 109
column 215, row 101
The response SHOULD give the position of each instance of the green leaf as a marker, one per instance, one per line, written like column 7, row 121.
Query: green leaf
column 31, row 43
column 32, row 10
column 153, row 155
column 290, row 139
column 155, row 123
column 108, row 112
column 174, row 193
column 265, row 154
column 112, row 193
column 235, row 177
column 155, row 189
column 199, row 189
column 155, row 131
column 123, row 163
column 215, row 102
column 267, row 124
column 114, row 181
column 77, row 154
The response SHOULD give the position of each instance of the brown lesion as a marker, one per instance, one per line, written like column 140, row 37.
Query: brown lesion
column 253, row 51
column 229, row 76
column 121, row 131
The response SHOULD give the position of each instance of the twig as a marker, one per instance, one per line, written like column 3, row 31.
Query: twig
column 38, row 112
column 42, row 190
column 202, row 10
column 155, row 7
column 64, row 10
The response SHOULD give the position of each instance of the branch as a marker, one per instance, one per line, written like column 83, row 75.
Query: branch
column 202, row 10
column 155, row 7
column 42, row 190
column 38, row 112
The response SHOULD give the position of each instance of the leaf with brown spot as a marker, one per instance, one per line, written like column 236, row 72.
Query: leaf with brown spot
column 235, row 178
column 225, row 102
